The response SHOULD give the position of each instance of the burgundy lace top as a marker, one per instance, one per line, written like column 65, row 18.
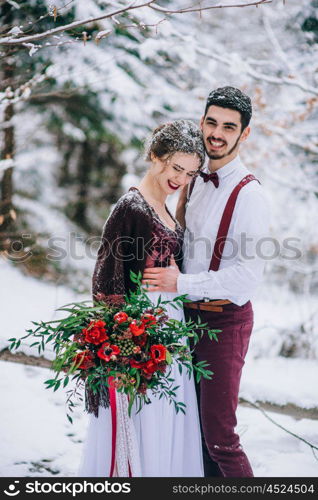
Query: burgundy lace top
column 134, row 237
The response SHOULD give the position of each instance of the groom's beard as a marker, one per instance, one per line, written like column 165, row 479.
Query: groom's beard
column 215, row 156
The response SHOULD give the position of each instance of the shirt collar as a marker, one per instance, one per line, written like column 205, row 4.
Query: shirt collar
column 227, row 169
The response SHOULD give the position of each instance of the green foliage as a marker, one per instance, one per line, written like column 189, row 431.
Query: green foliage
column 70, row 345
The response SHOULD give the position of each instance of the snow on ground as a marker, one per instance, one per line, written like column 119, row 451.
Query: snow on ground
column 272, row 451
column 278, row 312
column 281, row 381
column 36, row 437
column 38, row 440
column 25, row 299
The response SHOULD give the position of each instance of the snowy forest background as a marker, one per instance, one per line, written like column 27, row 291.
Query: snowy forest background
column 76, row 106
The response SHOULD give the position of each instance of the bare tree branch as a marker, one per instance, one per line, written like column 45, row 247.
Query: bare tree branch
column 11, row 40
column 312, row 446
column 199, row 8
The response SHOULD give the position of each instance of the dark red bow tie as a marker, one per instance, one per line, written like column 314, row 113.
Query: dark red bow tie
column 211, row 177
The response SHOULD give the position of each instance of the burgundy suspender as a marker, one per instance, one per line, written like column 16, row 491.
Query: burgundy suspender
column 191, row 186
column 225, row 223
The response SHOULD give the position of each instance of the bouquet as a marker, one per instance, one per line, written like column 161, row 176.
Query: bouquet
column 128, row 346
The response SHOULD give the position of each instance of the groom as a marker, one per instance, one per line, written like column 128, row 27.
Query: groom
column 226, row 216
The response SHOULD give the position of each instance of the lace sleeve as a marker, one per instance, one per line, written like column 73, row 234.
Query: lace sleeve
column 117, row 253
column 109, row 270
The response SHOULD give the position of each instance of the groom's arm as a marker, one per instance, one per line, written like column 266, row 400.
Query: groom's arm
column 236, row 282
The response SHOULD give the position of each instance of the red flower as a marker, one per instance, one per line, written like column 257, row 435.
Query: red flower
column 158, row 353
column 120, row 317
column 85, row 358
column 95, row 333
column 136, row 364
column 136, row 329
column 149, row 368
column 107, row 351
column 148, row 319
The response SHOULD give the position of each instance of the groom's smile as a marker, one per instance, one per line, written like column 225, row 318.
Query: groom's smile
column 216, row 144
column 222, row 133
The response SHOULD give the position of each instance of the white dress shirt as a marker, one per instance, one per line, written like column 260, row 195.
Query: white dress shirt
column 244, row 253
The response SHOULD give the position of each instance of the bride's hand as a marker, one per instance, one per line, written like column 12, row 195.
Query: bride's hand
column 161, row 279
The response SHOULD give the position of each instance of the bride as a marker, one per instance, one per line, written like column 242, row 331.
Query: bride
column 141, row 232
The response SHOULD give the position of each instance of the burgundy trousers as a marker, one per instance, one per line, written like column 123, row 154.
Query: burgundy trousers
column 218, row 398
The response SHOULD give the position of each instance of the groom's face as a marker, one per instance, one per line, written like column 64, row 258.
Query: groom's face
column 222, row 132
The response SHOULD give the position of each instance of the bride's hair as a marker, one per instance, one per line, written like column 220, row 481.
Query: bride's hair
column 179, row 136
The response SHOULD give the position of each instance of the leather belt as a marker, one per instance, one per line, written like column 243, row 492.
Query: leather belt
column 212, row 305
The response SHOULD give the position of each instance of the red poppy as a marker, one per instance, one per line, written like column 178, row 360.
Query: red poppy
column 148, row 319
column 136, row 329
column 85, row 358
column 158, row 353
column 95, row 333
column 136, row 364
column 106, row 351
column 120, row 317
column 149, row 368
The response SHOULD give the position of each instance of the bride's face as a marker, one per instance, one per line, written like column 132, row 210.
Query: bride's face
column 175, row 171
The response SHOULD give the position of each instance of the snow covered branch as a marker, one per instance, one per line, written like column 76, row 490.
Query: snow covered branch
column 248, row 70
column 13, row 39
column 10, row 40
column 305, row 144
column 312, row 446
column 22, row 92
column 4, row 164
column 199, row 8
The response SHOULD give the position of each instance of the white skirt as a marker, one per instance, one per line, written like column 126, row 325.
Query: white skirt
column 167, row 444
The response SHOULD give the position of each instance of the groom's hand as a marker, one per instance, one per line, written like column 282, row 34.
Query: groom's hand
column 161, row 279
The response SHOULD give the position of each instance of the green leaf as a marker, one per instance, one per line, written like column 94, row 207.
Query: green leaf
column 34, row 343
column 168, row 357
column 57, row 385
column 137, row 378
column 50, row 382
column 131, row 402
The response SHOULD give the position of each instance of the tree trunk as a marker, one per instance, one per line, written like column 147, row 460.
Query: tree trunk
column 7, row 214
column 84, row 166
column 64, row 176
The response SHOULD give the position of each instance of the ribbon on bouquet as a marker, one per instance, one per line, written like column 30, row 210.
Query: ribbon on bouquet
column 112, row 401
column 125, row 460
